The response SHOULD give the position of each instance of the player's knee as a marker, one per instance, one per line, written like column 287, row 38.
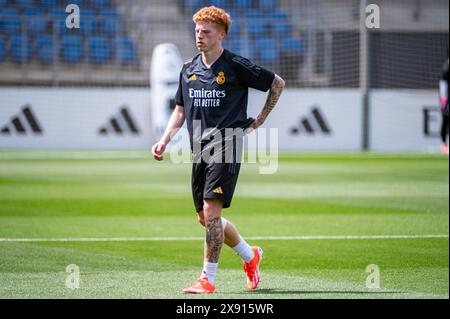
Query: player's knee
column 212, row 208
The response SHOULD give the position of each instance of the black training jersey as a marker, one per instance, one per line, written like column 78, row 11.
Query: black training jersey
column 218, row 96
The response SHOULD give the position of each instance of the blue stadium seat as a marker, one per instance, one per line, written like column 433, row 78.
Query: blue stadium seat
column 2, row 48
column 99, row 50
column 242, row 47
column 256, row 28
column 9, row 20
column 125, row 50
column 58, row 19
column 219, row 3
column 57, row 12
column 111, row 26
column 62, row 4
column 235, row 30
column 81, row 3
column 45, row 49
column 255, row 14
column 89, row 22
column 278, row 16
column 267, row 5
column 192, row 5
column 292, row 46
column 101, row 3
column 3, row 3
column 24, row 3
column 110, row 21
column 72, row 49
column 281, row 29
column 50, row 3
column 243, row 4
column 109, row 13
column 36, row 20
column 255, row 23
column 234, row 14
column 280, row 24
column 226, row 43
column 268, row 51
column 21, row 48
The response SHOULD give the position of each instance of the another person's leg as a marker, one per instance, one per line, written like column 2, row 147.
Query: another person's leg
column 444, row 133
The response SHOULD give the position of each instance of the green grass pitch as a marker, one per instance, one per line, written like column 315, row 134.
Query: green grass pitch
column 71, row 195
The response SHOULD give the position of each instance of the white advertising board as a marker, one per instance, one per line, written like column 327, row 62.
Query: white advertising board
column 314, row 120
column 63, row 118
column 405, row 121
column 306, row 119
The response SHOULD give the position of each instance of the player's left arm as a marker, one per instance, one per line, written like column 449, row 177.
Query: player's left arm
column 443, row 93
column 275, row 91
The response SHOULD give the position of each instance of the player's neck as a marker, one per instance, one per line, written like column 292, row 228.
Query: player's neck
column 210, row 57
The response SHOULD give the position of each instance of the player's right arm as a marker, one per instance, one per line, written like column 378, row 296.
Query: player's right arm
column 175, row 122
column 443, row 89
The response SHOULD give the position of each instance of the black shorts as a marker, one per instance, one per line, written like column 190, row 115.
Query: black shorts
column 214, row 181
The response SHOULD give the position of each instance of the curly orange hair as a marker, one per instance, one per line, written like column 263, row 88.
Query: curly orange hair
column 214, row 15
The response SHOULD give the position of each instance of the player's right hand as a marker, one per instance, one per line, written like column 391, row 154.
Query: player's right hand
column 158, row 151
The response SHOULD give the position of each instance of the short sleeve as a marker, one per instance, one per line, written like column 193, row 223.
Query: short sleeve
column 252, row 75
column 179, row 96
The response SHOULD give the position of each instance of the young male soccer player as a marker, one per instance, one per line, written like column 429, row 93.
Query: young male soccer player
column 213, row 89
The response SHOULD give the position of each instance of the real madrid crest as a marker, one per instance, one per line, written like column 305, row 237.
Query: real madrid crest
column 220, row 78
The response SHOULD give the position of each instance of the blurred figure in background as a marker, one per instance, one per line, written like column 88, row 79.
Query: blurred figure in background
column 443, row 95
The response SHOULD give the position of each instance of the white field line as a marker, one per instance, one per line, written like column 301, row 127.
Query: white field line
column 202, row 238
column 131, row 154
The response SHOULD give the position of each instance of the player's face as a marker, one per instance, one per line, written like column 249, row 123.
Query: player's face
column 208, row 36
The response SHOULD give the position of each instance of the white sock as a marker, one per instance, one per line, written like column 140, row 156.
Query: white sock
column 210, row 271
column 244, row 250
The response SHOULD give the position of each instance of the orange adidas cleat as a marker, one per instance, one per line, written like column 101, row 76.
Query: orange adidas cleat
column 200, row 286
column 252, row 269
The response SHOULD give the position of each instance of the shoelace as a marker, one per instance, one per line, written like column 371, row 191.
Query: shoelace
column 199, row 281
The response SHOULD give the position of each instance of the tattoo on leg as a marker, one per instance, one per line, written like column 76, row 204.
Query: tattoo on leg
column 214, row 239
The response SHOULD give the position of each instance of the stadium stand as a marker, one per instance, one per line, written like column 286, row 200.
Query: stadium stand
column 45, row 49
column 126, row 52
column 10, row 20
column 36, row 22
column 72, row 48
column 2, row 48
column 21, row 48
column 36, row 32
column 310, row 43
column 34, row 27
